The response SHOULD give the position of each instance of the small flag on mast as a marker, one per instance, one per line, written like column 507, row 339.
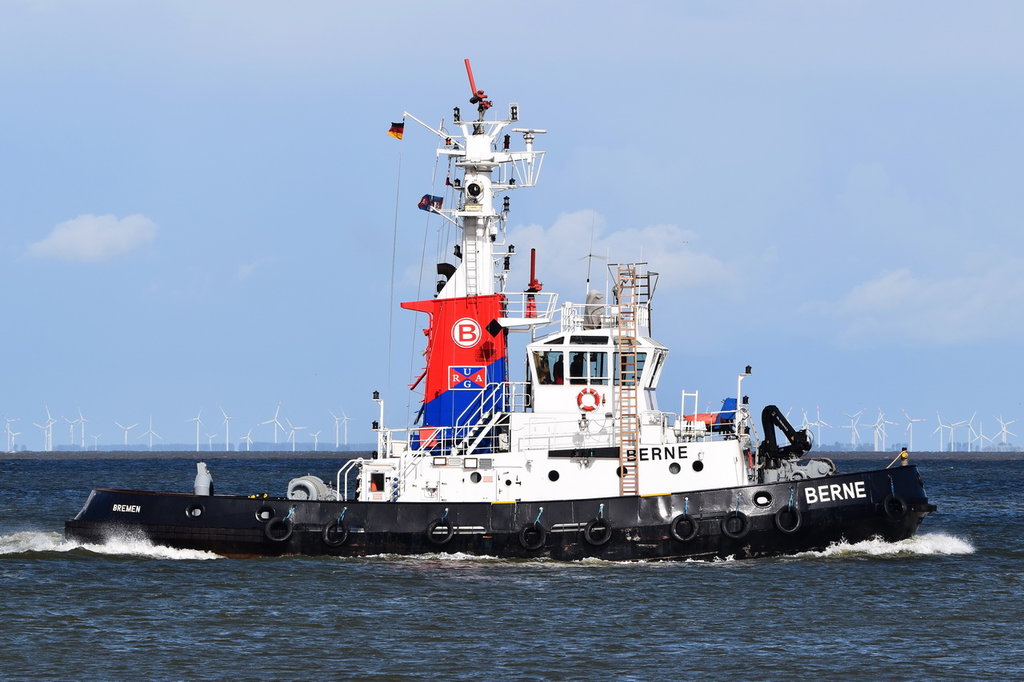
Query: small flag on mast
column 397, row 130
column 430, row 203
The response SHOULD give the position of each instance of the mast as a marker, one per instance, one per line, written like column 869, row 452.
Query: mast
column 466, row 355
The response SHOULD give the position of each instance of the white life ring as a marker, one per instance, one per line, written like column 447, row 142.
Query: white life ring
column 585, row 404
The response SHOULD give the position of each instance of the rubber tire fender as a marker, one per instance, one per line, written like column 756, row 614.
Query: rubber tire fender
column 598, row 532
column 272, row 526
column 895, row 507
column 744, row 525
column 538, row 542
column 335, row 534
column 796, row 514
column 440, row 541
column 676, row 532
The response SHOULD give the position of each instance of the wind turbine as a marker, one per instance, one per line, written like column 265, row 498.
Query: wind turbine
column 227, row 430
column 198, row 419
column 71, row 430
column 344, row 422
column 880, row 434
column 211, row 436
column 46, row 440
column 1003, row 431
column 248, row 440
column 151, row 433
column 337, row 421
column 11, row 433
column 952, row 433
column 291, row 433
column 81, row 424
column 95, row 441
column 910, row 429
column 982, row 437
column 972, row 435
column 273, row 420
column 47, row 430
column 126, row 429
column 316, row 439
column 941, row 430
column 819, row 423
column 854, row 433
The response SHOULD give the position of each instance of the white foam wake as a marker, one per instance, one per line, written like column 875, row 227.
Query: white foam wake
column 124, row 545
column 924, row 544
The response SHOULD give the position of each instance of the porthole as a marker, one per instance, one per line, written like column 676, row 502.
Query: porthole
column 194, row 511
column 264, row 514
column 762, row 498
column 475, row 477
column 698, row 465
column 674, row 468
column 552, row 475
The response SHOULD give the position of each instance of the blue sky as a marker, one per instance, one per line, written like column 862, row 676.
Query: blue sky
column 199, row 200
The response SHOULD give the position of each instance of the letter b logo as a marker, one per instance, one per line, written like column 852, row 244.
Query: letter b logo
column 466, row 332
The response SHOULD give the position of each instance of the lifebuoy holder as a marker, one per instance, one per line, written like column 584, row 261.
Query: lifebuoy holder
column 588, row 399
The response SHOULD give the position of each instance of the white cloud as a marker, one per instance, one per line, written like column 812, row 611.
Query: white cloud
column 92, row 238
column 247, row 270
column 563, row 247
column 983, row 303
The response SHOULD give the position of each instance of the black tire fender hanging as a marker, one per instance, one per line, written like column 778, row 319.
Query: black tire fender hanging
column 788, row 519
column 278, row 529
column 436, row 539
column 539, row 533
column 733, row 518
column 894, row 507
column 597, row 532
column 684, row 528
column 335, row 534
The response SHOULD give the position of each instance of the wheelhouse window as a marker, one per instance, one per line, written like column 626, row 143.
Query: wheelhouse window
column 550, row 366
column 629, row 372
column 585, row 367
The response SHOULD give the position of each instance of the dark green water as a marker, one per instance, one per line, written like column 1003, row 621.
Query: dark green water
column 945, row 604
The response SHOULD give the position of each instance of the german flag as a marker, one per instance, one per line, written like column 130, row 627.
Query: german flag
column 397, row 130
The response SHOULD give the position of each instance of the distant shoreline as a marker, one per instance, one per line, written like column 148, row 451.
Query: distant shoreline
column 71, row 455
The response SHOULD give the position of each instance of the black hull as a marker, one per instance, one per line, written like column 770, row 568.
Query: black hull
column 709, row 524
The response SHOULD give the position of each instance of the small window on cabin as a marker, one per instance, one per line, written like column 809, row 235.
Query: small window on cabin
column 589, row 340
column 550, row 368
column 659, row 358
column 377, row 482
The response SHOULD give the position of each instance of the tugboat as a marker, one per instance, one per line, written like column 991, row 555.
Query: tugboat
column 575, row 459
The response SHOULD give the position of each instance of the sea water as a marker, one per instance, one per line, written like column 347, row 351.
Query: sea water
column 944, row 604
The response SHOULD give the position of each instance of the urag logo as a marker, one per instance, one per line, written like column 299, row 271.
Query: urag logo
column 466, row 378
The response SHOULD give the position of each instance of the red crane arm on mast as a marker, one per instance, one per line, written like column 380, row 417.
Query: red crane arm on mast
column 478, row 95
